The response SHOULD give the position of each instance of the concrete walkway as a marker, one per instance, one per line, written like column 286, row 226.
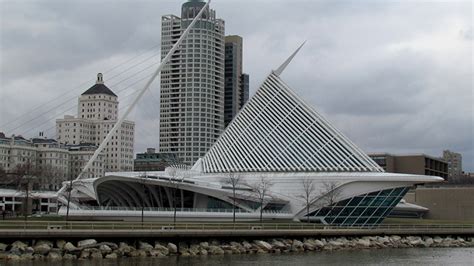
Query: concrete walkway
column 222, row 233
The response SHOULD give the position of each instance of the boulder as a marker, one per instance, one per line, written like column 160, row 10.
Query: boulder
column 156, row 253
column 235, row 244
column 336, row 243
column 395, row 238
column 68, row 256
column 42, row 249
column 261, row 251
column 44, row 242
column 138, row 253
column 318, row 243
column 69, row 247
column 204, row 245
column 144, row 246
column 437, row 240
column 3, row 247
column 193, row 250
column 183, row 246
column 86, row 242
column 38, row 257
column 364, row 243
column 27, row 256
column 60, row 243
column 16, row 251
column 308, row 246
column 203, row 251
column 21, row 246
column 448, row 242
column 111, row 256
column 172, row 248
column 235, row 250
column 96, row 254
column 215, row 250
column 429, row 242
column 385, row 240
column 134, row 253
column 104, row 249
column 164, row 250
column 297, row 246
column 246, row 245
column 85, row 254
column 53, row 255
column 29, row 250
column 226, row 247
column 111, row 245
column 124, row 248
column 278, row 244
column 415, row 241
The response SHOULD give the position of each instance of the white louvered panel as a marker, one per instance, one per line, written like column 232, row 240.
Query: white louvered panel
column 261, row 149
column 277, row 131
column 368, row 162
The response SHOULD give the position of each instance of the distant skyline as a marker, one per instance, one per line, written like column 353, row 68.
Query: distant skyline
column 394, row 77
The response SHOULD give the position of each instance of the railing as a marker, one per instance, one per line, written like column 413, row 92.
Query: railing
column 153, row 226
column 159, row 209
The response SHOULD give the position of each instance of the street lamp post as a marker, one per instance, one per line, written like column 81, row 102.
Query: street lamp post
column 142, row 181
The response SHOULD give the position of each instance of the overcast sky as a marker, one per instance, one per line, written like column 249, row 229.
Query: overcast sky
column 394, row 77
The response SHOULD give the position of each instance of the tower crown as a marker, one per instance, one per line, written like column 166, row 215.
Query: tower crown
column 100, row 79
column 99, row 87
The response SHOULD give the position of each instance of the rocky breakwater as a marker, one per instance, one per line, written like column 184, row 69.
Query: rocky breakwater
column 92, row 249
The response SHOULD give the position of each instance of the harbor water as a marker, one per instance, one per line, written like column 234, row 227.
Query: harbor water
column 408, row 256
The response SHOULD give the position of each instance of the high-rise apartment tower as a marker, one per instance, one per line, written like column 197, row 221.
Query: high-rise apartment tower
column 192, row 83
column 454, row 161
column 236, row 83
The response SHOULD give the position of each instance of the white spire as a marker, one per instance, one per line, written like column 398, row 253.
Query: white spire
column 287, row 61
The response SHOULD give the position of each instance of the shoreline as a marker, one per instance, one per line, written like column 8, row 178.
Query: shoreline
column 92, row 249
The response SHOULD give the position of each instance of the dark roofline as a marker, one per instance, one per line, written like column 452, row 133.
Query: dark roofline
column 99, row 89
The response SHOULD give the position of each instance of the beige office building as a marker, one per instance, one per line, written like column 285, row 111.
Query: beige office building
column 454, row 161
column 97, row 115
column 49, row 161
column 420, row 164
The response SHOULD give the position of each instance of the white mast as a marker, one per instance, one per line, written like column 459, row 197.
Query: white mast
column 142, row 91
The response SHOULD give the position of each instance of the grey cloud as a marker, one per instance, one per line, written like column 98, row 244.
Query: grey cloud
column 361, row 66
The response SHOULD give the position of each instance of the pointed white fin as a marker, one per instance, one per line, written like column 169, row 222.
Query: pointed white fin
column 276, row 131
column 287, row 61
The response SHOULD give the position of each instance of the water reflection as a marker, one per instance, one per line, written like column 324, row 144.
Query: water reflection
column 413, row 256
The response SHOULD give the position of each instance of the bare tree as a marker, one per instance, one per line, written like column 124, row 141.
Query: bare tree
column 233, row 180
column 329, row 193
column 142, row 182
column 308, row 195
column 26, row 178
column 175, row 181
column 261, row 190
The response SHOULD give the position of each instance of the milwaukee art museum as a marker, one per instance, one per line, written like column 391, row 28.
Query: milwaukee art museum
column 278, row 145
